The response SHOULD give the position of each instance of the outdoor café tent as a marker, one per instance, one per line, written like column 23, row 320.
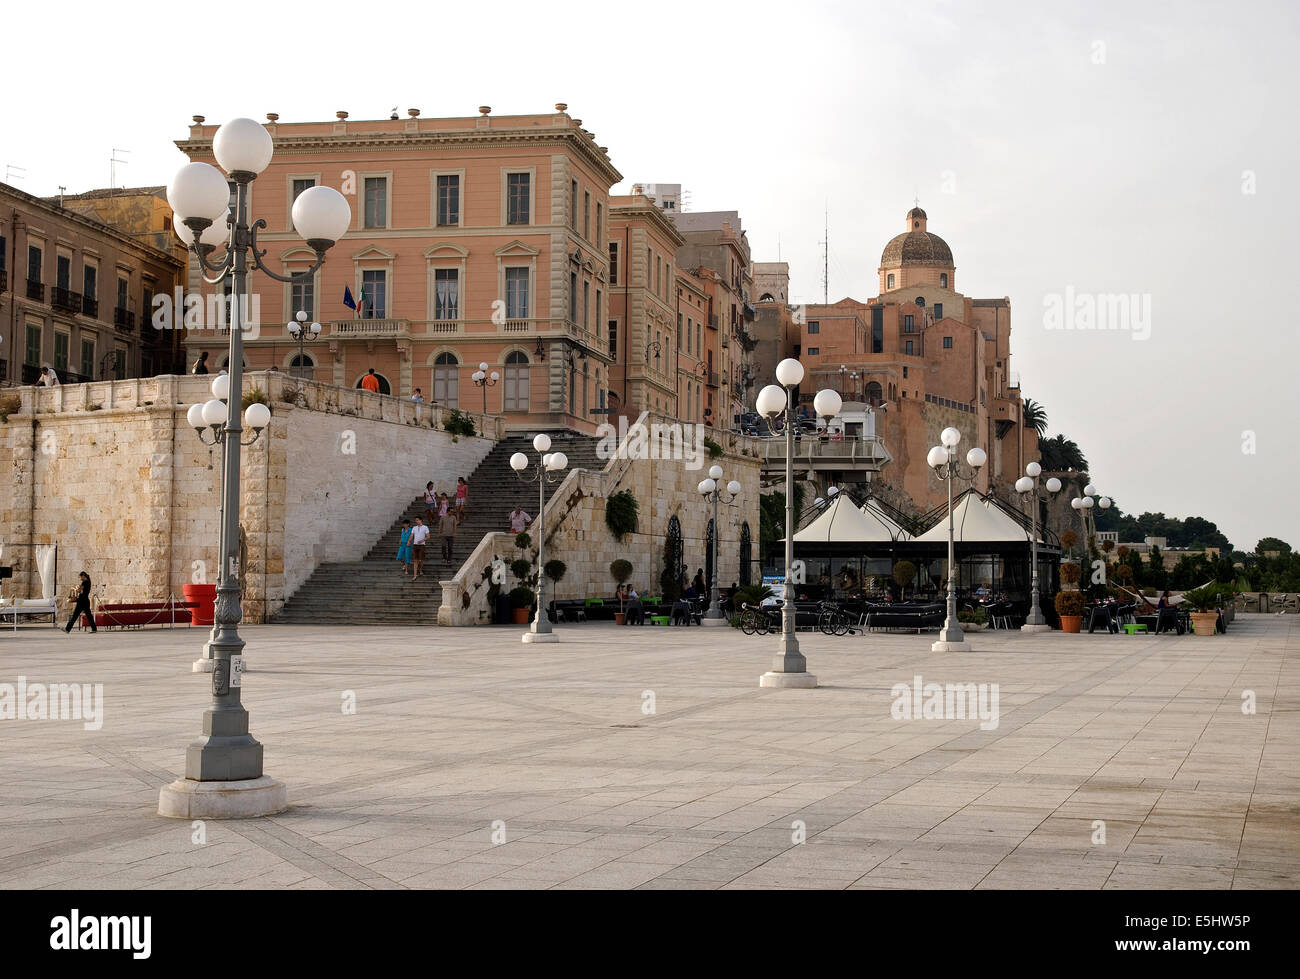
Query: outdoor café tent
column 976, row 520
column 843, row 522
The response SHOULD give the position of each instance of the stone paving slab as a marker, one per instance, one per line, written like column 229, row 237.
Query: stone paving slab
column 474, row 761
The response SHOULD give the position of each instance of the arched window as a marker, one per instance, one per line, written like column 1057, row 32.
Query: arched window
column 746, row 547
column 446, row 380
column 708, row 555
column 384, row 386
column 920, row 301
column 299, row 360
column 674, row 553
column 889, row 281
column 302, row 365
column 767, row 297
column 943, row 279
column 515, row 395
column 875, row 395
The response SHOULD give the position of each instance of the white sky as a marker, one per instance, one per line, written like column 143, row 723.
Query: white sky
column 1097, row 146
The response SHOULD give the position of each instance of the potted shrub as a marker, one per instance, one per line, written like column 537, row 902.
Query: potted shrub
column 555, row 569
column 1070, row 574
column 904, row 575
column 972, row 619
column 1206, row 617
column 620, row 571
column 1069, row 606
column 521, row 600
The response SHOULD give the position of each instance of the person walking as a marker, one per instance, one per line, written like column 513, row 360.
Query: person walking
column 430, row 502
column 404, row 548
column 701, row 586
column 444, row 505
column 462, row 498
column 201, row 365
column 447, row 531
column 519, row 520
column 370, row 382
column 419, row 535
column 82, row 605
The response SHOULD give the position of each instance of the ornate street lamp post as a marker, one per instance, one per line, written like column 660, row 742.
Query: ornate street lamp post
column 484, row 380
column 943, row 460
column 300, row 331
column 1027, row 487
column 711, row 490
column 550, row 469
column 789, row 667
column 223, row 769
column 1084, row 505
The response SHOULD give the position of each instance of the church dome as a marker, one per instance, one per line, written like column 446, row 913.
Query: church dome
column 916, row 246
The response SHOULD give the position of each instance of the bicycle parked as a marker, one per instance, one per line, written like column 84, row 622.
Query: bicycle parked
column 760, row 619
column 834, row 621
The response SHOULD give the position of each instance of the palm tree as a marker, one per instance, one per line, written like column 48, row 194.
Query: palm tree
column 1035, row 416
column 1059, row 453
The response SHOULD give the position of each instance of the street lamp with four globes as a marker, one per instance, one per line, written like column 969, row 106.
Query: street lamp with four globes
column 223, row 768
column 943, row 460
column 1027, row 487
column 484, row 380
column 550, row 469
column 712, row 491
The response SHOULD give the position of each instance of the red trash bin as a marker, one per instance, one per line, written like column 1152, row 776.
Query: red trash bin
column 206, row 596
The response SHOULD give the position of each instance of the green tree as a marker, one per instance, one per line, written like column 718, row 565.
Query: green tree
column 1059, row 454
column 1035, row 416
column 1272, row 544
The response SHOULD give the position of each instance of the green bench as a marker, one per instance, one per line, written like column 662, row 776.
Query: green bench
column 1133, row 628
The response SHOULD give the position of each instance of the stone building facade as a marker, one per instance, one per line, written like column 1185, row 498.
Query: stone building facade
column 74, row 292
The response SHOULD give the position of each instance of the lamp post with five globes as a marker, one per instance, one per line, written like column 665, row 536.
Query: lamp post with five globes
column 223, row 769
column 300, row 331
column 943, row 460
column 789, row 667
column 483, row 380
column 711, row 490
column 550, row 469
column 1027, row 487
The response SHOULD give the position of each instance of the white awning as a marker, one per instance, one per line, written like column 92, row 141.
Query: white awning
column 843, row 523
column 976, row 521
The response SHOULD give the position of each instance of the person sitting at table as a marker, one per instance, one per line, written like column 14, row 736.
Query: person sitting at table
column 635, row 610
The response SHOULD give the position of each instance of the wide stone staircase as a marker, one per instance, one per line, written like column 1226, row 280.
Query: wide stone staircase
column 373, row 591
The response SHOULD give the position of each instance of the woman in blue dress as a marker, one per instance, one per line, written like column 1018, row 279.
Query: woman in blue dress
column 404, row 548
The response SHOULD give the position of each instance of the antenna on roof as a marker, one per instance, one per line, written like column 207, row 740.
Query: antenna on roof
column 62, row 188
column 826, row 247
column 113, row 161
column 14, row 173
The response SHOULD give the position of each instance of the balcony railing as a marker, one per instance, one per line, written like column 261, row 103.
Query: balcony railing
column 90, row 306
column 66, row 299
column 368, row 328
column 35, row 290
column 446, row 327
column 31, row 374
column 843, row 451
column 713, row 321
column 711, row 379
column 517, row 326
column 124, row 319
column 4, row 280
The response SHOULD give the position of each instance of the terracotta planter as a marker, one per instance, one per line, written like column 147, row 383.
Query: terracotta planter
column 619, row 618
column 1071, row 623
column 971, row 626
column 1203, row 623
column 523, row 616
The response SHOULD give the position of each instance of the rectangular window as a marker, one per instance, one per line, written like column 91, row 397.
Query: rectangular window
column 586, row 303
column 679, row 331
column 613, row 263
column 905, row 373
column 659, row 276
column 947, row 343
column 32, row 351
column 600, row 223
column 814, row 351
column 517, row 293
column 89, row 282
column 573, row 204
column 374, row 283
column 303, row 297
column 517, row 198
column 814, row 326
column 299, row 185
column 376, row 202
column 448, row 199
column 446, row 294
column 909, row 346
column 123, row 286
column 586, row 215
column 119, row 362
column 938, row 311
column 573, row 297
column 598, row 310
column 613, row 338
column 909, row 323
column 35, row 259
column 61, row 351
column 63, row 272
column 88, row 357
column 4, row 251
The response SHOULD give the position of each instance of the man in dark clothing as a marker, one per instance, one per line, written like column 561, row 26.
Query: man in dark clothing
column 201, row 365
column 82, row 605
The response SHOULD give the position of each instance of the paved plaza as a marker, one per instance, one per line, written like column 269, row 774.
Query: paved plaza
column 650, row 758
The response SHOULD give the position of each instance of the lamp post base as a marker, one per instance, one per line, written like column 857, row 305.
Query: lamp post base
column 719, row 621
column 1035, row 627
column 187, row 798
column 531, row 637
column 802, row 680
column 946, row 646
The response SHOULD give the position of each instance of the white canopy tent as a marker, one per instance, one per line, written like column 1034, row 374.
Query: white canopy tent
column 976, row 521
column 844, row 523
